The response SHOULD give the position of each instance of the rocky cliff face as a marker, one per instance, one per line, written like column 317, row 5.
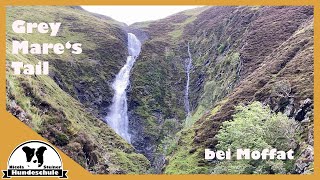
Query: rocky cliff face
column 239, row 55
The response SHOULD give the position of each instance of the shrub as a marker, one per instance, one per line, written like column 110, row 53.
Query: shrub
column 61, row 139
column 256, row 127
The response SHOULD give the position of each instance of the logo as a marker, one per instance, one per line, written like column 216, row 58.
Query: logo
column 34, row 159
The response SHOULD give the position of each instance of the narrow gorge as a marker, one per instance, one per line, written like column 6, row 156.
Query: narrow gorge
column 148, row 98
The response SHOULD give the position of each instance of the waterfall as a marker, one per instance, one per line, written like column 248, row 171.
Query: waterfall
column 117, row 117
column 188, row 65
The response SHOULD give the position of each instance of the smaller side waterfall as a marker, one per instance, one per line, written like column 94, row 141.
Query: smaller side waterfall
column 117, row 118
column 188, row 66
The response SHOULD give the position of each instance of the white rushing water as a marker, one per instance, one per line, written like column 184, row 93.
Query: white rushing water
column 188, row 66
column 118, row 111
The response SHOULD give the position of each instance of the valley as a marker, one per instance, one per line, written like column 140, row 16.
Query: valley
column 149, row 98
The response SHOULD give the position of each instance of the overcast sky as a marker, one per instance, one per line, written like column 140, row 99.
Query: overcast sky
column 132, row 14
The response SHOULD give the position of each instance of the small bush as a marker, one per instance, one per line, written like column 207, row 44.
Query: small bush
column 62, row 139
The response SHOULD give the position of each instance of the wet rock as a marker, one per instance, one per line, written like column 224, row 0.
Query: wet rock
column 305, row 160
column 289, row 109
column 305, row 107
column 310, row 136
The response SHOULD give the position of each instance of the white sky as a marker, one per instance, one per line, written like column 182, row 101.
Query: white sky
column 132, row 14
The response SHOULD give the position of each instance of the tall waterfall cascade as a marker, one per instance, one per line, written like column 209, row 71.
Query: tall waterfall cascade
column 117, row 117
column 188, row 66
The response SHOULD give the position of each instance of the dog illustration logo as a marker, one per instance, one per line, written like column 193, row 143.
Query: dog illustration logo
column 36, row 159
column 35, row 156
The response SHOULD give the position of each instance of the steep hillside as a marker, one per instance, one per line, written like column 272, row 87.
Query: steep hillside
column 239, row 55
column 246, row 63
column 58, row 106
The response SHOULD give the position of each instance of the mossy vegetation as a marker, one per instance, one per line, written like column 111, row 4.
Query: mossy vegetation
column 222, row 60
column 78, row 74
column 50, row 104
column 239, row 55
column 182, row 158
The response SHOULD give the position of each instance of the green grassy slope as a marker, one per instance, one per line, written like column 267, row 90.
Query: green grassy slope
column 55, row 106
column 84, row 76
column 231, row 49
